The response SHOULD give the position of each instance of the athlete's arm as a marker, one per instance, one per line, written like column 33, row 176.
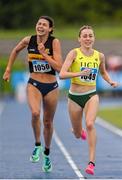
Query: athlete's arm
column 56, row 60
column 65, row 73
column 21, row 45
column 104, row 72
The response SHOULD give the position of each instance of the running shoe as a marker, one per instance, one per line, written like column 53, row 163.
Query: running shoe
column 83, row 134
column 90, row 169
column 36, row 154
column 47, row 165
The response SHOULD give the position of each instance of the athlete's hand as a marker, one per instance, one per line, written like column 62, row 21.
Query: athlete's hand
column 41, row 48
column 86, row 72
column 114, row 84
column 6, row 75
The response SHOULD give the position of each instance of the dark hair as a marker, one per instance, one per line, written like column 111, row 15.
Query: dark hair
column 50, row 20
column 85, row 27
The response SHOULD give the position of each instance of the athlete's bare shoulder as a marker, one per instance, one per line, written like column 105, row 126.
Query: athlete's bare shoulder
column 73, row 53
column 26, row 40
column 102, row 57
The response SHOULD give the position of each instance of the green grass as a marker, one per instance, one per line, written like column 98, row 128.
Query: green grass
column 67, row 32
column 5, row 87
column 112, row 115
column 101, row 32
column 15, row 34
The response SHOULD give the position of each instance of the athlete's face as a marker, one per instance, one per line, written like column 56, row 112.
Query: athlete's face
column 42, row 27
column 87, row 38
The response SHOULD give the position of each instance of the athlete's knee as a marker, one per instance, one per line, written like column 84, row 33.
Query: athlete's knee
column 35, row 115
column 89, row 125
column 48, row 124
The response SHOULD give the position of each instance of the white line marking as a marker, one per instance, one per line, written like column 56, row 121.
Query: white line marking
column 108, row 126
column 67, row 156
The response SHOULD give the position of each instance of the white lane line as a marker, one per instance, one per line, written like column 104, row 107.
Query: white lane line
column 108, row 126
column 67, row 156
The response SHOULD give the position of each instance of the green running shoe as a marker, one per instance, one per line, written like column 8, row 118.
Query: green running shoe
column 47, row 165
column 36, row 154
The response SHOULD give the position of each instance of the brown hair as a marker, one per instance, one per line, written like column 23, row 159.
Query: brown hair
column 85, row 27
column 50, row 20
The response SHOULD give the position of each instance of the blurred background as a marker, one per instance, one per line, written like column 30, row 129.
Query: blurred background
column 18, row 19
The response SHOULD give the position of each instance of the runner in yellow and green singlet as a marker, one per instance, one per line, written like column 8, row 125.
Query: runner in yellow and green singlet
column 82, row 65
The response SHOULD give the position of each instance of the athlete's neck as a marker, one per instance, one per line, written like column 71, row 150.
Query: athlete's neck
column 87, row 51
column 42, row 39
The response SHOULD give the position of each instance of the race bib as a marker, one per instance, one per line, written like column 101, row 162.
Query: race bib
column 41, row 66
column 92, row 77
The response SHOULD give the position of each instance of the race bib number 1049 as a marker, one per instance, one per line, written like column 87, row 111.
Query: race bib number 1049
column 91, row 77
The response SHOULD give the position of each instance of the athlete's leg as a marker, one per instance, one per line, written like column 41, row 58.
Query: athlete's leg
column 49, row 108
column 91, row 109
column 75, row 113
column 34, row 100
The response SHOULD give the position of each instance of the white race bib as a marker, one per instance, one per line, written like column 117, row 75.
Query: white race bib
column 41, row 66
column 92, row 77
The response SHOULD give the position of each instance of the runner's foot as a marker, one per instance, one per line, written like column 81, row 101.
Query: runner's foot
column 47, row 165
column 83, row 134
column 90, row 168
column 36, row 154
